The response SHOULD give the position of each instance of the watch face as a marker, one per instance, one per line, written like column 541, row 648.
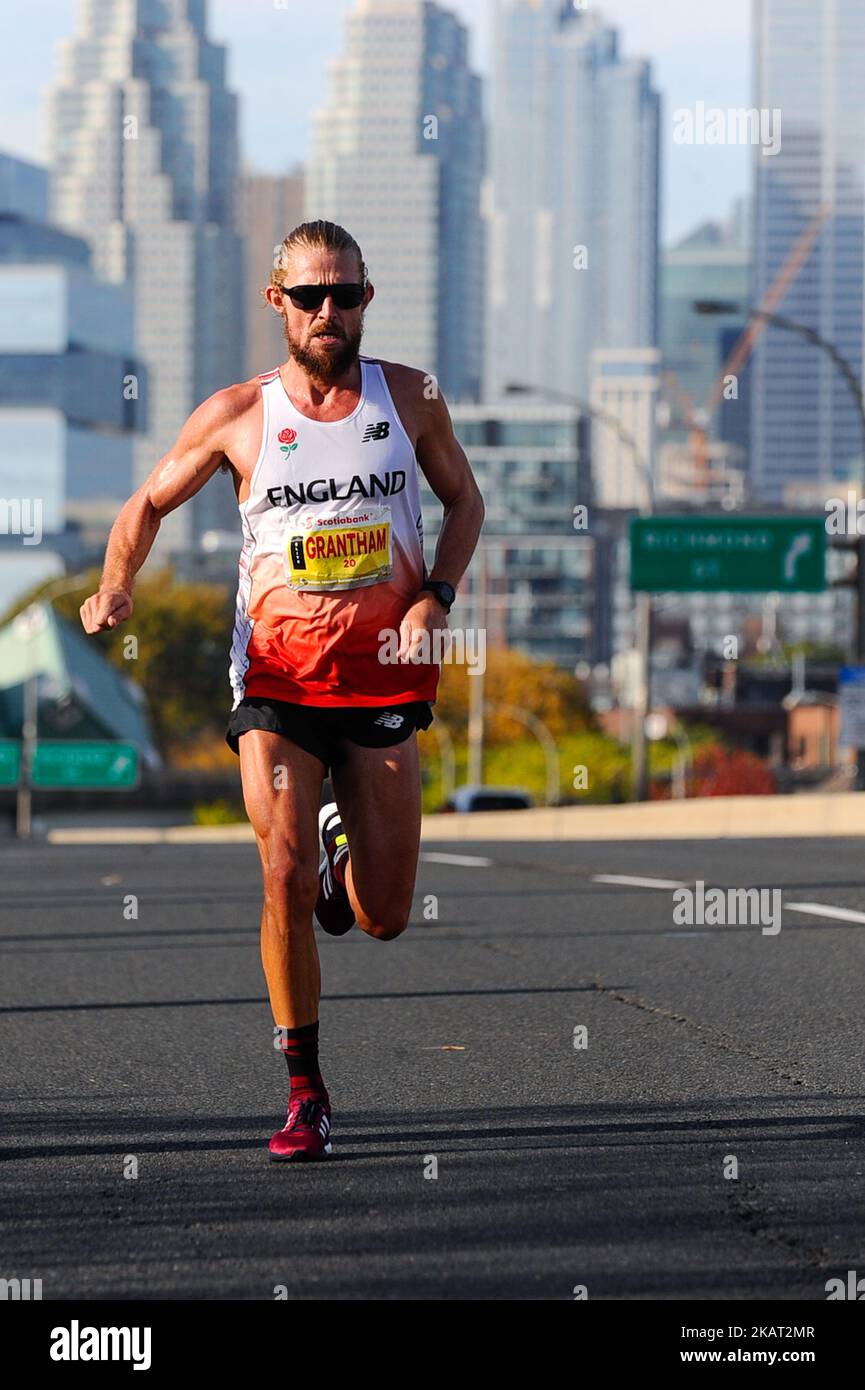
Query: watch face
column 444, row 592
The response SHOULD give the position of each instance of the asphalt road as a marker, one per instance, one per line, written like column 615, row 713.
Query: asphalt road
column 148, row 1042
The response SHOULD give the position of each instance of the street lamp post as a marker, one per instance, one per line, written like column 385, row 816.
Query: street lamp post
column 477, row 683
column 855, row 388
column 28, row 624
column 802, row 330
column 482, row 602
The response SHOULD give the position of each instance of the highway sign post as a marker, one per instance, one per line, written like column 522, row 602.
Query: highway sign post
column 732, row 554
column 723, row 554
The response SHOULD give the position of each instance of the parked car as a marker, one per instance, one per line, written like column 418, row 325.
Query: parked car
column 478, row 798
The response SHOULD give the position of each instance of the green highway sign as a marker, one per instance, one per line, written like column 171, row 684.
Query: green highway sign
column 85, row 763
column 10, row 762
column 734, row 554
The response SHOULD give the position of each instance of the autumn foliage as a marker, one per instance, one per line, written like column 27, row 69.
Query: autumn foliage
column 719, row 771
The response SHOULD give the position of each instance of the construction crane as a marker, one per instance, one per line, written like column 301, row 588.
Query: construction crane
column 747, row 340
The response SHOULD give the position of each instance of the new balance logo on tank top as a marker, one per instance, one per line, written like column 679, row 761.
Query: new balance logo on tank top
column 332, row 554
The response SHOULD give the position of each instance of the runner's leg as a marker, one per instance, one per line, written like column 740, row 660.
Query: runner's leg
column 283, row 811
column 377, row 791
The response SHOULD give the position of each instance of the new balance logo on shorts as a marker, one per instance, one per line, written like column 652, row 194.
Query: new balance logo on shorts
column 379, row 431
column 390, row 721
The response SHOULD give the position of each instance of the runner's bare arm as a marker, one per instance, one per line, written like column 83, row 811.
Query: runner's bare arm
column 448, row 472
column 195, row 458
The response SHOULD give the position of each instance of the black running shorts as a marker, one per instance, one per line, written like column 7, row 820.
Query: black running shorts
column 324, row 731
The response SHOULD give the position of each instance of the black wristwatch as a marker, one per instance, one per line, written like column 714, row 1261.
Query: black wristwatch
column 444, row 592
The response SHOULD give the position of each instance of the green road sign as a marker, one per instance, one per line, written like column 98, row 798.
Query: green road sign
column 10, row 762
column 85, row 763
column 736, row 554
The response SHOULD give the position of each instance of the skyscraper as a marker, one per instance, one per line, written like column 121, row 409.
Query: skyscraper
column 397, row 158
column 67, row 420
column 143, row 144
column 530, row 582
column 710, row 263
column 271, row 208
column 808, row 64
column 574, row 205
column 624, row 389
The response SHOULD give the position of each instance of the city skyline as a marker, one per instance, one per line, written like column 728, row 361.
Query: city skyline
column 412, row 199
column 695, row 57
column 809, row 205
column 561, row 205
column 159, row 210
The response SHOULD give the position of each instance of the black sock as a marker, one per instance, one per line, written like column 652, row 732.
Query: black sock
column 300, row 1046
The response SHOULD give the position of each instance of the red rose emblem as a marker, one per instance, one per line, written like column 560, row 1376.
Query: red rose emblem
column 287, row 436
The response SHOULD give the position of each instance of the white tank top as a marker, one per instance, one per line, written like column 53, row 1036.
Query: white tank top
column 332, row 554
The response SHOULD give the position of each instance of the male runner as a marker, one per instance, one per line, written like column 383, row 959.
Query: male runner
column 323, row 453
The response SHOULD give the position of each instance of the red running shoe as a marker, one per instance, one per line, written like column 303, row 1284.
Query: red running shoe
column 333, row 909
column 304, row 1135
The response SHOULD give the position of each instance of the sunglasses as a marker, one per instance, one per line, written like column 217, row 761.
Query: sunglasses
column 344, row 296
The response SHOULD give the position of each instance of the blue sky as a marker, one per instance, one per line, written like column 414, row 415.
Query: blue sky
column 278, row 56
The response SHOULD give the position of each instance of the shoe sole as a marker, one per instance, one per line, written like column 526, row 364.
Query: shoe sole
column 324, row 815
column 300, row 1157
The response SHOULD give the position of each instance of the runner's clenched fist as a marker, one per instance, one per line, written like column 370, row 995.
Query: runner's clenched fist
column 105, row 609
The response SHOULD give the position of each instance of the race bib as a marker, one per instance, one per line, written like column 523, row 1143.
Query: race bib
column 339, row 552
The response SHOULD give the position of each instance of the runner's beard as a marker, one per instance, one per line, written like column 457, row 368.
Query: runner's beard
column 325, row 365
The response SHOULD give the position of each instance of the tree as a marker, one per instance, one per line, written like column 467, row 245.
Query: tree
column 553, row 696
column 721, row 771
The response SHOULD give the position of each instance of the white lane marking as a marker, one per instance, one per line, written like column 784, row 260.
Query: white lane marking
column 470, row 861
column 634, row 882
column 844, row 914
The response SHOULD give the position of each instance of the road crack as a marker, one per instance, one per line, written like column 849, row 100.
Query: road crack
column 749, row 1205
column 752, row 1208
column 708, row 1036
